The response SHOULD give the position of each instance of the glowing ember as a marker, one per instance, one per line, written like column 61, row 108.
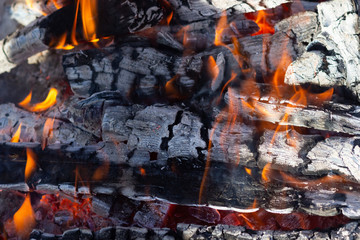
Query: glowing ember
column 24, row 218
column 30, row 163
column 101, row 172
column 143, row 172
column 16, row 136
column 39, row 107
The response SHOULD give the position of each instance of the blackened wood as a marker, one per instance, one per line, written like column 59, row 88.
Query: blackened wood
column 128, row 67
column 113, row 18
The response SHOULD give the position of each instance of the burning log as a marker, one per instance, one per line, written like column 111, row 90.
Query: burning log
column 134, row 17
column 150, row 74
column 331, row 59
column 111, row 19
column 163, row 110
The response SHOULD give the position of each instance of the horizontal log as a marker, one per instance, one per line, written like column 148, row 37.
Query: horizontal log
column 113, row 18
column 339, row 119
column 169, row 145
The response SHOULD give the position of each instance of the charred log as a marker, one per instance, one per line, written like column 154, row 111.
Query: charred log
column 331, row 58
column 41, row 34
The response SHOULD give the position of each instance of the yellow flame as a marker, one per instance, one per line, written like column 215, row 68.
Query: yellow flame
column 39, row 107
column 221, row 25
column 248, row 171
column 265, row 175
column 16, row 136
column 89, row 18
column 24, row 218
column 30, row 163
column 261, row 21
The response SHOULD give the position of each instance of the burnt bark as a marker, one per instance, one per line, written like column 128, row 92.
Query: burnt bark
column 332, row 58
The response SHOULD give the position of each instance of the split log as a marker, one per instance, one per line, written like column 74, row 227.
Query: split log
column 169, row 144
column 33, row 129
column 227, row 188
column 134, row 17
column 332, row 58
column 113, row 18
column 337, row 118
column 151, row 73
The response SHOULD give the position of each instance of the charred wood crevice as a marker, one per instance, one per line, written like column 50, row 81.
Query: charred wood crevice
column 165, row 141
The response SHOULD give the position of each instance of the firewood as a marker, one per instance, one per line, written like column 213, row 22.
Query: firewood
column 129, row 68
column 113, row 18
column 332, row 58
column 342, row 119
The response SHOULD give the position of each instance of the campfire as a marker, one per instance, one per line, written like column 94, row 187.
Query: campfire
column 169, row 119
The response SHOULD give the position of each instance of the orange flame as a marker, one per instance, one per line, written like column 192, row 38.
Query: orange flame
column 89, row 19
column 213, row 69
column 47, row 132
column 261, row 21
column 248, row 171
column 324, row 181
column 222, row 24
column 61, row 43
column 39, row 107
column 30, row 163
column 24, row 218
column 169, row 18
column 171, row 91
column 16, row 136
column 265, row 175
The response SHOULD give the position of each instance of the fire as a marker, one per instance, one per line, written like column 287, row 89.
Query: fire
column 47, row 132
column 171, row 90
column 169, row 18
column 248, row 171
column 40, row 107
column 30, row 163
column 324, row 181
column 207, row 165
column 261, row 21
column 213, row 69
column 61, row 43
column 142, row 172
column 16, row 136
column 24, row 218
column 80, row 209
column 89, row 19
column 232, row 78
column 222, row 24
column 265, row 175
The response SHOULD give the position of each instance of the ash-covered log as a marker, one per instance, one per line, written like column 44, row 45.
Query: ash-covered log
column 332, row 59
